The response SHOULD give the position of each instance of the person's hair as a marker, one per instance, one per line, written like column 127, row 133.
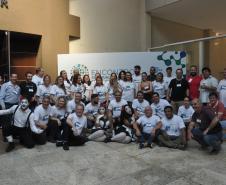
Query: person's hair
column 144, row 73
column 168, row 107
column 117, row 92
column 140, row 92
column 61, row 86
column 61, row 74
column 94, row 96
column 83, row 80
column 169, row 68
column 80, row 105
column 124, row 115
column 206, row 69
column 187, row 98
column 37, row 70
column 13, row 74
column 120, row 73
column 28, row 72
column 46, row 97
column 153, row 67
column 195, row 66
column 137, row 67
column 130, row 75
column 99, row 77
column 75, row 79
column 111, row 82
column 213, row 94
column 155, row 93
column 179, row 69
column 47, row 76
column 58, row 99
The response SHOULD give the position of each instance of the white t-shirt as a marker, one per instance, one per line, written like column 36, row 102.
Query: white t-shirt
column 87, row 90
column 173, row 126
column 67, row 86
column 57, row 112
column 71, row 105
column 140, row 107
column 101, row 91
column 91, row 109
column 116, row 107
column 185, row 114
column 78, row 122
column 159, row 88
column 222, row 91
column 158, row 109
column 210, row 82
column 148, row 123
column 137, row 79
column 78, row 88
column 128, row 89
column 42, row 91
column 37, row 80
column 57, row 91
column 167, row 80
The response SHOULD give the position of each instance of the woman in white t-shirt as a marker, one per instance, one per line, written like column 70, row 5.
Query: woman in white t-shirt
column 44, row 90
column 77, row 86
column 159, row 86
column 100, row 89
column 121, row 77
column 58, row 89
column 146, row 87
column 67, row 82
column 87, row 88
column 128, row 89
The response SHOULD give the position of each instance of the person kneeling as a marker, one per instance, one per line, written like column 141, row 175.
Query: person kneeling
column 22, row 117
column 173, row 130
column 149, row 125
column 73, row 130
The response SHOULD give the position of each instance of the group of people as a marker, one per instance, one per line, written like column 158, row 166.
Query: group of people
column 145, row 108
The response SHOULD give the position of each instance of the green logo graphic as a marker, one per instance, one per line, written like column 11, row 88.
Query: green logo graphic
column 83, row 70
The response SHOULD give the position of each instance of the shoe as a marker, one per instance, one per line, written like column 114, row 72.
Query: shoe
column 150, row 145
column 59, row 143
column 10, row 147
column 141, row 146
column 65, row 146
column 107, row 140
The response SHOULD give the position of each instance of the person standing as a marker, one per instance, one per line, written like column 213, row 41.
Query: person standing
column 38, row 77
column 221, row 89
column 152, row 76
column 178, row 89
column 167, row 79
column 194, row 83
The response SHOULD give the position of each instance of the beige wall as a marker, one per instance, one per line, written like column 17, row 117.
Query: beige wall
column 110, row 25
column 49, row 18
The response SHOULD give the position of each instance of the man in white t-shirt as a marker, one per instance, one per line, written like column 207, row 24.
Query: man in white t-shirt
column 38, row 77
column 42, row 129
column 167, row 79
column 74, row 129
column 158, row 105
column 208, row 84
column 71, row 105
column 137, row 76
column 173, row 130
column 148, row 126
column 115, row 107
column 221, row 89
column 91, row 110
column 139, row 105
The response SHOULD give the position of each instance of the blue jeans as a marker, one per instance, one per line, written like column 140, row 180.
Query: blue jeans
column 146, row 137
column 213, row 140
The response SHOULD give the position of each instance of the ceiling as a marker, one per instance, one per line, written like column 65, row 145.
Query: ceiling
column 203, row 14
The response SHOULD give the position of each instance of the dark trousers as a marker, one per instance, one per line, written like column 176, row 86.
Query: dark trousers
column 39, row 139
column 72, row 140
column 213, row 140
column 59, row 132
column 24, row 135
column 146, row 137
column 169, row 141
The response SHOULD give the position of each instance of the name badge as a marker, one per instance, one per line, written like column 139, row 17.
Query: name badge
column 15, row 92
column 30, row 90
column 223, row 87
column 198, row 120
column 178, row 85
column 190, row 80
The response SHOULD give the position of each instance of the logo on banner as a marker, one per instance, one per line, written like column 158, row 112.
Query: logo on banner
column 83, row 70
column 4, row 3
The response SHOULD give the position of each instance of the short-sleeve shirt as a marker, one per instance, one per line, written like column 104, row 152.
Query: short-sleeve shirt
column 42, row 91
column 101, row 91
column 204, row 118
column 57, row 112
column 178, row 89
column 219, row 107
column 148, row 123
column 140, row 106
column 160, row 88
column 158, row 109
column 221, row 88
column 116, row 107
column 41, row 114
column 128, row 89
column 173, row 126
column 57, row 91
column 194, row 83
column 78, row 122
column 91, row 109
column 185, row 113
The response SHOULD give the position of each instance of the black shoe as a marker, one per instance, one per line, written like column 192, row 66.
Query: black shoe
column 107, row 140
column 10, row 147
column 65, row 146
column 59, row 143
column 150, row 145
column 141, row 146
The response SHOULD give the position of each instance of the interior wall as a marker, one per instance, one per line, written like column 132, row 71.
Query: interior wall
column 49, row 18
column 109, row 25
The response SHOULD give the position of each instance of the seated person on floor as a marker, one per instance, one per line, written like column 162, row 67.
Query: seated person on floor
column 73, row 131
column 22, row 117
column 91, row 110
column 205, row 128
column 172, row 133
column 139, row 105
column 43, row 129
column 147, row 128
column 102, row 128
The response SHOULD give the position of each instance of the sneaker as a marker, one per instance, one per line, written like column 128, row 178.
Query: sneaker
column 141, row 146
column 10, row 147
column 65, row 146
column 59, row 143
column 150, row 145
